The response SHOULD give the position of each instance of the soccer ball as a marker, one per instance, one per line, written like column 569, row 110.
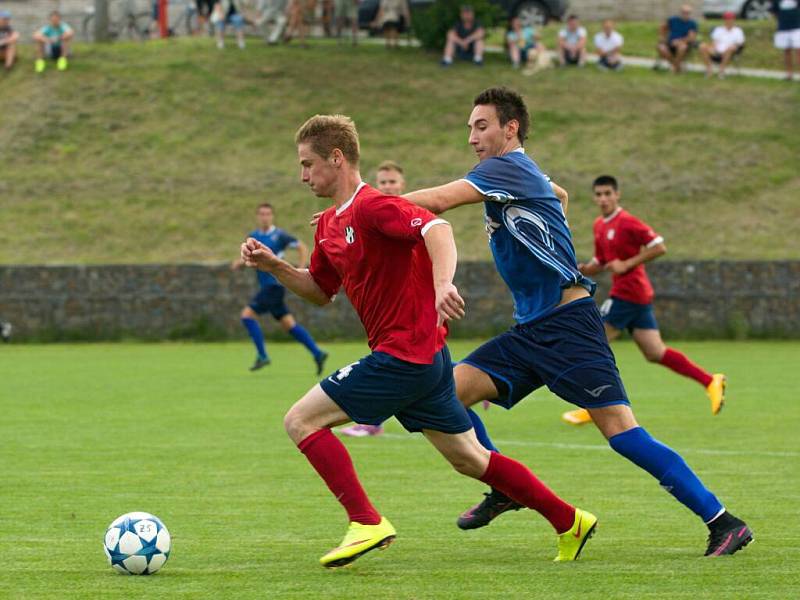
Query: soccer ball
column 137, row 543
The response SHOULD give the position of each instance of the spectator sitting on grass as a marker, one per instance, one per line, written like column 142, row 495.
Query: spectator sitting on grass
column 677, row 36
column 8, row 40
column 572, row 43
column 787, row 37
column 392, row 14
column 465, row 39
column 228, row 11
column 52, row 41
column 726, row 41
column 608, row 44
column 523, row 43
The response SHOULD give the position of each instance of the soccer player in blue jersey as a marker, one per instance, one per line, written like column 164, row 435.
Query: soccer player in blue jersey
column 559, row 340
column 270, row 296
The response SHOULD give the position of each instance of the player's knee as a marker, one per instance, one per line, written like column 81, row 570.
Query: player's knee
column 654, row 355
column 296, row 427
column 468, row 465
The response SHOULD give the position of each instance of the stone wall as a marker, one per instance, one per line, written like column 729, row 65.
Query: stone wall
column 706, row 298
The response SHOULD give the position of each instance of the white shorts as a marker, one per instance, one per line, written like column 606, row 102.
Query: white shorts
column 785, row 40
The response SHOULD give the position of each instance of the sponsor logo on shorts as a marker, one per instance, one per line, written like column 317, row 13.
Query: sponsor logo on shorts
column 595, row 393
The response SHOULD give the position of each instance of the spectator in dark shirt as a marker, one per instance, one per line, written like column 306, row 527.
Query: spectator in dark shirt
column 465, row 39
column 8, row 41
column 787, row 37
column 677, row 36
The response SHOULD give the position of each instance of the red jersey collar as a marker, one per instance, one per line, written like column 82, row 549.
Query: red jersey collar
column 347, row 204
column 613, row 215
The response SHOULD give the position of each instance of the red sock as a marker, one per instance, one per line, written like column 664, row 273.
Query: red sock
column 678, row 362
column 330, row 459
column 517, row 482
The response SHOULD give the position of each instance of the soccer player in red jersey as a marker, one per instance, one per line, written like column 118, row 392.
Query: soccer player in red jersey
column 622, row 245
column 396, row 263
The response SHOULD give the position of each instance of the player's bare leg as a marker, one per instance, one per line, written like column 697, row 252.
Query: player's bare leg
column 727, row 534
column 308, row 424
column 581, row 416
column 468, row 456
column 656, row 351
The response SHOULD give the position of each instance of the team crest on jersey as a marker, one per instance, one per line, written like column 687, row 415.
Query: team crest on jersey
column 349, row 235
column 610, row 234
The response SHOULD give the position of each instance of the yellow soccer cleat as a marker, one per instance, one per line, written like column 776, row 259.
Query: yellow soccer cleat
column 716, row 392
column 61, row 63
column 570, row 543
column 39, row 65
column 359, row 540
column 579, row 416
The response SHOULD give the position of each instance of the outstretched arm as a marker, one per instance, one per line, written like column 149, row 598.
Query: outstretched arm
column 256, row 255
column 444, row 197
column 441, row 246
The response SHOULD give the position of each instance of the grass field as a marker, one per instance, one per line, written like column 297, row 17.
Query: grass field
column 89, row 432
column 159, row 152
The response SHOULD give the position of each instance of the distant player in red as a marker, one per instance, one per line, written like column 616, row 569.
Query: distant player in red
column 622, row 244
column 396, row 263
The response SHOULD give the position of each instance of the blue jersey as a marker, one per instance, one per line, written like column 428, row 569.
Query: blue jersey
column 528, row 233
column 276, row 240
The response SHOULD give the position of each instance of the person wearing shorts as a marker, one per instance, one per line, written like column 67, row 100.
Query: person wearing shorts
column 787, row 37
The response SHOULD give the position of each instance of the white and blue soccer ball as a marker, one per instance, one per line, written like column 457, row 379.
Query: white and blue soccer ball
column 137, row 543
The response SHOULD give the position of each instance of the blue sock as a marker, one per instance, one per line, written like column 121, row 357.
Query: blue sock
column 480, row 431
column 672, row 472
column 254, row 329
column 301, row 335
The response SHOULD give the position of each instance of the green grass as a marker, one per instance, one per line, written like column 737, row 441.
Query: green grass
column 184, row 431
column 159, row 152
column 641, row 38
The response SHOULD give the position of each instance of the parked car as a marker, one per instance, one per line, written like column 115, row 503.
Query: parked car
column 747, row 9
column 535, row 12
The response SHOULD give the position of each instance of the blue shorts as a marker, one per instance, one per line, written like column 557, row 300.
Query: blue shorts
column 621, row 314
column 270, row 299
column 380, row 386
column 565, row 350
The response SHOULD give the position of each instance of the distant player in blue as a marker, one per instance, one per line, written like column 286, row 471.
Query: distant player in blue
column 559, row 340
column 270, row 296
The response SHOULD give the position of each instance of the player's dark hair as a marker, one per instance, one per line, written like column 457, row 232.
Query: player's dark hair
column 265, row 205
column 509, row 106
column 606, row 180
column 572, row 17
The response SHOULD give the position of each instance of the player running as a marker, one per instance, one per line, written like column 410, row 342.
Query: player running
column 396, row 263
column 270, row 296
column 389, row 180
column 559, row 340
column 622, row 244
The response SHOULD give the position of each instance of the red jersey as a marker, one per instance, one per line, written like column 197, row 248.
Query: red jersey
column 621, row 236
column 372, row 246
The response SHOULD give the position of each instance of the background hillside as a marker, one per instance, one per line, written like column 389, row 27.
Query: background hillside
column 158, row 152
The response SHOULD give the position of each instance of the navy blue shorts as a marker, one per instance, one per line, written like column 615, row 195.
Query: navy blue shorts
column 270, row 299
column 621, row 314
column 380, row 386
column 566, row 350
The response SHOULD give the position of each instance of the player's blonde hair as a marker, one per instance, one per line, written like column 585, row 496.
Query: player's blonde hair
column 390, row 165
column 325, row 133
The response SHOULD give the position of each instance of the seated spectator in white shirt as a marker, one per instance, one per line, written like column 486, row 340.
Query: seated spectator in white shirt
column 572, row 43
column 726, row 41
column 608, row 44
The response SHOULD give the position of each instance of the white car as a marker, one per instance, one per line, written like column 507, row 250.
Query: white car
column 747, row 9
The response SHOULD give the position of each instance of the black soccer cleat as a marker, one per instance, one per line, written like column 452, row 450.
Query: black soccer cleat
column 320, row 360
column 260, row 363
column 727, row 535
column 492, row 506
